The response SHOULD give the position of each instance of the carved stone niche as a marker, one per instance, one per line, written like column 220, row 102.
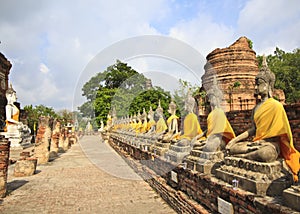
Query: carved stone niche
column 257, row 177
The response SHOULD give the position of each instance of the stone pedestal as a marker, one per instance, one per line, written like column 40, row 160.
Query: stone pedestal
column 204, row 162
column 25, row 167
column 256, row 177
column 4, row 161
column 160, row 148
column 291, row 197
column 177, row 153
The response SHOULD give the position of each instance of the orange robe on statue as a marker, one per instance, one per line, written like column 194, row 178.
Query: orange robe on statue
column 217, row 123
column 271, row 121
column 14, row 117
column 191, row 127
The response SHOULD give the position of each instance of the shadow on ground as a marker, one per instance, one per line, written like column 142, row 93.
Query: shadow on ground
column 13, row 185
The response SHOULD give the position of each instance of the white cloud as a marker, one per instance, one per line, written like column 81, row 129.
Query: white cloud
column 43, row 68
column 271, row 25
column 203, row 34
column 65, row 36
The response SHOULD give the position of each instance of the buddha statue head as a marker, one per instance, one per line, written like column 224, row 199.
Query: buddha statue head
column 190, row 102
column 214, row 94
column 159, row 111
column 264, row 80
column 172, row 107
column 150, row 113
column 144, row 115
column 11, row 95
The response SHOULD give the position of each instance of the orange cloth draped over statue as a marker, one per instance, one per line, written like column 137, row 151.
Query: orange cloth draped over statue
column 161, row 125
column 271, row 121
column 150, row 124
column 191, row 127
column 143, row 127
column 14, row 117
column 217, row 123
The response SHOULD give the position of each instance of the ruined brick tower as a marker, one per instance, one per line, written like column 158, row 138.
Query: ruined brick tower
column 235, row 68
column 5, row 67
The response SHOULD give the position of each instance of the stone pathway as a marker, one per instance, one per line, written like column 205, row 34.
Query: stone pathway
column 89, row 178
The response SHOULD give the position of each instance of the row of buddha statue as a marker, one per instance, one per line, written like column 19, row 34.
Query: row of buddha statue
column 269, row 156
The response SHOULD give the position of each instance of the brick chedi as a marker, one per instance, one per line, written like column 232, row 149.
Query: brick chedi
column 235, row 68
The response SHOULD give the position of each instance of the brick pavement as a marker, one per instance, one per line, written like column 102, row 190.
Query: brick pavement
column 89, row 178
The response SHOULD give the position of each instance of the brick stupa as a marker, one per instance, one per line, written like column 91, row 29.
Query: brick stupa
column 234, row 65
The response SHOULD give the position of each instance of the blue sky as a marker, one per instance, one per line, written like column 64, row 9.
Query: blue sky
column 50, row 43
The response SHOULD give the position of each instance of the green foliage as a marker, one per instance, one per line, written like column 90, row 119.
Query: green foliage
column 286, row 67
column 151, row 98
column 33, row 114
column 181, row 93
column 250, row 43
column 65, row 117
column 236, row 84
column 116, row 87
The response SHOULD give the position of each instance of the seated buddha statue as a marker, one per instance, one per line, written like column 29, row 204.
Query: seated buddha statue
column 191, row 126
column 172, row 123
column 12, row 124
column 151, row 122
column 270, row 128
column 161, row 125
column 219, row 131
column 144, row 126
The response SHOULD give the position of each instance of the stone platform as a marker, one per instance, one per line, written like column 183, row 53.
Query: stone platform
column 291, row 197
column 160, row 148
column 204, row 162
column 177, row 153
column 256, row 177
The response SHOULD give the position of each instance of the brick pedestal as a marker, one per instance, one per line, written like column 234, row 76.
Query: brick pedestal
column 4, row 161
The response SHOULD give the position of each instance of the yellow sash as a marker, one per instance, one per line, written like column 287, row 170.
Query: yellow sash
column 191, row 127
column 271, row 121
column 217, row 123
column 161, row 125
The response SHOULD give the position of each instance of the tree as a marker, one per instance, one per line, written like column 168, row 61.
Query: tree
column 151, row 97
column 65, row 117
column 286, row 67
column 33, row 114
column 181, row 93
column 116, row 86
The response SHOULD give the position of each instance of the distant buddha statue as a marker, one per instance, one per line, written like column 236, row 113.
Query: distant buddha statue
column 161, row 125
column 133, row 123
column 219, row 131
column 109, row 122
column 191, row 126
column 151, row 122
column 172, row 123
column 139, row 123
column 144, row 126
column 17, row 132
column 12, row 112
column 270, row 127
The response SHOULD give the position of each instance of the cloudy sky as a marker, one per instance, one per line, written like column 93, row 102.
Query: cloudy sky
column 51, row 44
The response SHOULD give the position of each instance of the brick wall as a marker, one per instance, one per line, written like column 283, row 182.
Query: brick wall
column 193, row 192
column 4, row 161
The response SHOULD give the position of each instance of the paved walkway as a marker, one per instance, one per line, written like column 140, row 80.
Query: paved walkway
column 89, row 178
